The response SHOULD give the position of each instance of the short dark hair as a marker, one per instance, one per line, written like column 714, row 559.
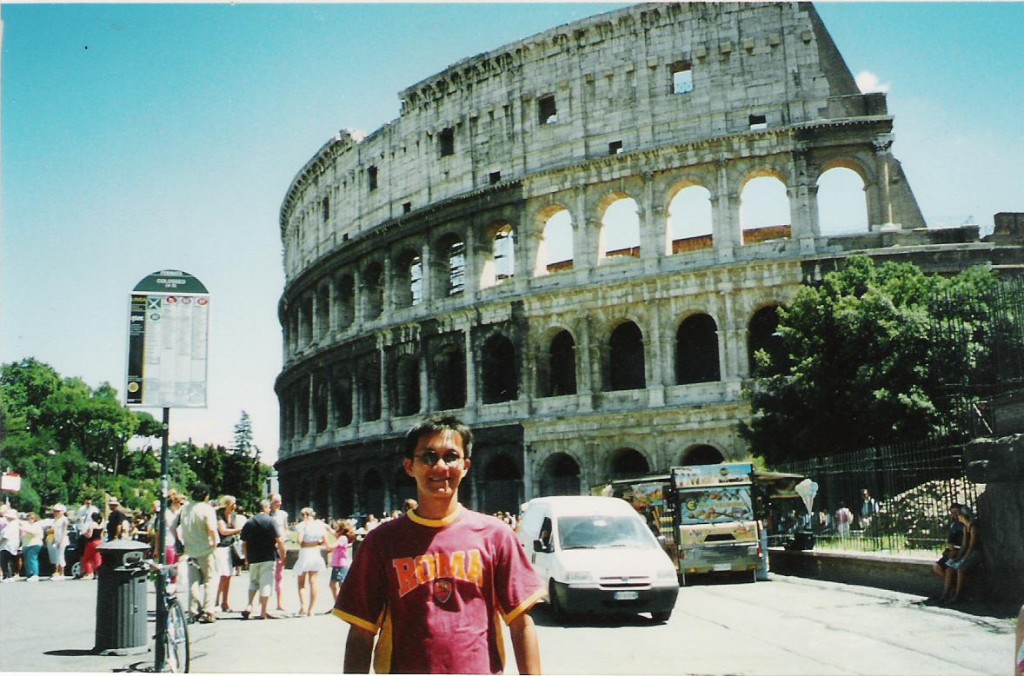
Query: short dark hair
column 200, row 491
column 435, row 425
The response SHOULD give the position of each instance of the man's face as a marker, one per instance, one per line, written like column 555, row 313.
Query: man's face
column 954, row 514
column 443, row 476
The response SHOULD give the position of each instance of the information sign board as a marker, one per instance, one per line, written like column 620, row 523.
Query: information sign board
column 168, row 326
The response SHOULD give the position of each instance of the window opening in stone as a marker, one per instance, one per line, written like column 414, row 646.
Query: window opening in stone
column 502, row 485
column 450, row 378
column 373, row 492
column 562, row 365
column 494, row 177
column 620, row 230
column 555, row 250
column 626, row 358
column 764, row 210
column 371, row 175
column 456, row 268
column 560, row 476
column 307, row 321
column 406, row 207
column 446, row 140
column 323, row 313
column 346, row 302
column 416, row 281
column 344, row 495
column 325, row 209
column 374, row 290
column 342, row 400
column 499, row 372
column 504, row 252
column 615, row 147
column 321, row 402
column 758, row 122
column 682, row 79
column 408, row 281
column 407, row 385
column 547, row 113
column 702, row 455
column 763, row 336
column 628, row 462
column 690, row 220
column 842, row 202
column 369, row 390
column 697, row 351
column 302, row 412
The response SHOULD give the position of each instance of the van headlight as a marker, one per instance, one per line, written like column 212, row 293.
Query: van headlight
column 666, row 576
column 579, row 576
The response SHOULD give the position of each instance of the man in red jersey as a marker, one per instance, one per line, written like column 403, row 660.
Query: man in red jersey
column 431, row 584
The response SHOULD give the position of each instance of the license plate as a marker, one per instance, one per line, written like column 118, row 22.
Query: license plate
column 719, row 567
column 626, row 595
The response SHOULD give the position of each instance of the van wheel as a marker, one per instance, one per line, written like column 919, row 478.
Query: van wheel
column 662, row 616
column 556, row 608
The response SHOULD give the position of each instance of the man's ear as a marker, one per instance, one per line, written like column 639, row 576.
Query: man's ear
column 466, row 465
column 407, row 464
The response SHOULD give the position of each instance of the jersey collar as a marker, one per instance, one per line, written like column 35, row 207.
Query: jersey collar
column 435, row 523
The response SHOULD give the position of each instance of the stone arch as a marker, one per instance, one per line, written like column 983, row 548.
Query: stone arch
column 373, row 493
column 323, row 311
column 701, row 454
column 501, row 488
column 306, row 320
column 765, row 212
column 450, row 391
column 373, row 290
column 690, row 219
column 557, row 366
column 302, row 409
column 842, row 200
column 560, row 475
column 341, row 397
column 344, row 496
column 626, row 361
column 499, row 370
column 555, row 246
column 500, row 262
column 405, row 384
column 407, row 289
column 619, row 235
column 368, row 387
column 627, row 462
column 321, row 405
column 320, row 500
column 697, row 355
column 762, row 334
column 346, row 300
column 450, row 267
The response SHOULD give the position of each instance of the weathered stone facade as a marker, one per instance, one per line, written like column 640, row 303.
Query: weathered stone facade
column 422, row 271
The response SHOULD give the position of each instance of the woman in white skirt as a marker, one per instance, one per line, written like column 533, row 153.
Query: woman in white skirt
column 312, row 541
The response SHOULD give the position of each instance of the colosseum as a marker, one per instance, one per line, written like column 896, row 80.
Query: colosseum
column 576, row 242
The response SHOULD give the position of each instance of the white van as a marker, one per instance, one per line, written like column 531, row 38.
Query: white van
column 597, row 556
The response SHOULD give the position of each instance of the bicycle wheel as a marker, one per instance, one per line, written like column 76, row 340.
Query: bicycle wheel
column 175, row 638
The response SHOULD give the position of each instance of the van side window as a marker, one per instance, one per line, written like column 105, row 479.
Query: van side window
column 545, row 532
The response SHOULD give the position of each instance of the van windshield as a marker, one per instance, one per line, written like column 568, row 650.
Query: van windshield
column 598, row 532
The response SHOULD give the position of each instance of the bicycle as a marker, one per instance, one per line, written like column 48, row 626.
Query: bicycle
column 173, row 650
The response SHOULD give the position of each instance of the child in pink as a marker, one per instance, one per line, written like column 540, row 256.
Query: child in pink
column 341, row 555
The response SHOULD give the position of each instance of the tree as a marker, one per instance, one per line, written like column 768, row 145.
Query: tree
column 873, row 354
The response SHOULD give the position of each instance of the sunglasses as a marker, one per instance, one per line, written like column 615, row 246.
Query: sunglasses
column 430, row 458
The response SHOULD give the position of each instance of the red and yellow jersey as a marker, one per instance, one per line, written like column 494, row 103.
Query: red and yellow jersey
column 434, row 590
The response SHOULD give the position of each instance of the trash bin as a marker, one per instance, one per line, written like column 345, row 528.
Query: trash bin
column 121, row 599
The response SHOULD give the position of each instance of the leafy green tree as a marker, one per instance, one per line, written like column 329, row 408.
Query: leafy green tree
column 872, row 355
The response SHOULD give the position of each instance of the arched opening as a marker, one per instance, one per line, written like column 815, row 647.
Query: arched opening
column 306, row 327
column 502, row 263
column 562, row 365
column 764, row 210
column 373, row 290
column 344, row 496
column 626, row 463
column 406, row 385
column 555, row 252
column 763, row 336
column 704, row 454
column 321, row 404
column 560, row 475
column 500, row 375
column 369, row 389
column 697, row 351
column 690, row 220
column 451, row 389
column 302, row 410
column 842, row 203
column 501, row 488
column 451, row 252
column 373, row 493
column 346, row 302
column 408, row 287
column 323, row 312
column 404, row 488
column 626, row 367
column 620, row 230
column 341, row 397
column 321, row 502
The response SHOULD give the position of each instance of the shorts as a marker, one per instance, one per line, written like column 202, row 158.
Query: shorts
column 972, row 561
column 339, row 573
column 261, row 577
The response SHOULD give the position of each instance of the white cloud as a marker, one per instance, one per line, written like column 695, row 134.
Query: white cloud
column 868, row 82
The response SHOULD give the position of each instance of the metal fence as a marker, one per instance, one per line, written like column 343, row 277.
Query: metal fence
column 913, row 485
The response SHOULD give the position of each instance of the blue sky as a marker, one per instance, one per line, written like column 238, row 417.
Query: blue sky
column 143, row 137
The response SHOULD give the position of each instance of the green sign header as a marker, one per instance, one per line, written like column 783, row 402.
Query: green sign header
column 170, row 281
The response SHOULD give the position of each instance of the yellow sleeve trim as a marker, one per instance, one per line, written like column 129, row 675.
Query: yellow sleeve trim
column 356, row 621
column 523, row 607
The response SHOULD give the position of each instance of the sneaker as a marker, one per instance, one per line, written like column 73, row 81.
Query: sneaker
column 57, row 578
column 34, row 578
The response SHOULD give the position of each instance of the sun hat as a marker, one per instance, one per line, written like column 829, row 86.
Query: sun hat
column 59, row 507
column 113, row 501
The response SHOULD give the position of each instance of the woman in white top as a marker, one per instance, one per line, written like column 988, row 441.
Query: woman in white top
column 57, row 540
column 312, row 541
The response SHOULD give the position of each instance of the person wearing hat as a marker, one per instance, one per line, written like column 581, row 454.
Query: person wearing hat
column 57, row 540
column 117, row 522
column 10, row 542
